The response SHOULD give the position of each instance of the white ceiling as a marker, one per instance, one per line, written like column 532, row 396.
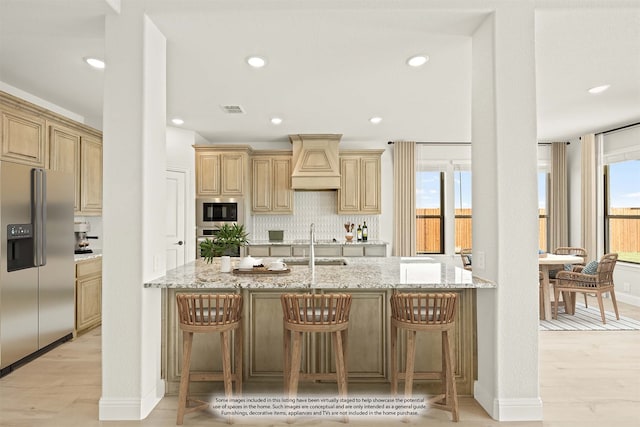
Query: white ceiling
column 331, row 65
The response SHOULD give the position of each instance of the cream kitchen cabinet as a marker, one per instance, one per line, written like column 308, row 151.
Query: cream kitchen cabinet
column 221, row 170
column 88, row 294
column 271, row 183
column 359, row 191
column 79, row 153
column 22, row 137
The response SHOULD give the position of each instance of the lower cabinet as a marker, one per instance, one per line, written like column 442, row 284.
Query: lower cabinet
column 88, row 294
column 368, row 342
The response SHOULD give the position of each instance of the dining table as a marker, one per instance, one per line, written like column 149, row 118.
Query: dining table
column 549, row 262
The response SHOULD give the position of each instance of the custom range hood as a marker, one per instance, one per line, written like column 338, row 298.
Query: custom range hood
column 315, row 162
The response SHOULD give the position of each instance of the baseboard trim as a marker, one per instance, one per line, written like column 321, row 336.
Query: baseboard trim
column 527, row 409
column 627, row 298
column 115, row 409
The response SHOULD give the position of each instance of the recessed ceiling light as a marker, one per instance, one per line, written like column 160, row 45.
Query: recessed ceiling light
column 598, row 89
column 177, row 121
column 375, row 120
column 417, row 61
column 256, row 61
column 95, row 63
column 276, row 120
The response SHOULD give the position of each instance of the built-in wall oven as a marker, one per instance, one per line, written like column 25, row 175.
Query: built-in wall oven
column 212, row 213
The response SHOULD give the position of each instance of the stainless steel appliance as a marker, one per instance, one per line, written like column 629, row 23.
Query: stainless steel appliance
column 36, row 261
column 80, row 229
column 212, row 213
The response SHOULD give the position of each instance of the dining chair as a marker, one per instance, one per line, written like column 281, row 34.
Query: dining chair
column 570, row 250
column 465, row 254
column 598, row 283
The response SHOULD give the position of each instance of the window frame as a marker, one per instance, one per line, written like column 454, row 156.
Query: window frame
column 461, row 168
column 441, row 217
column 607, row 214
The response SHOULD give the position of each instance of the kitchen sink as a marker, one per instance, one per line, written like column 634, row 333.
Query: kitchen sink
column 319, row 261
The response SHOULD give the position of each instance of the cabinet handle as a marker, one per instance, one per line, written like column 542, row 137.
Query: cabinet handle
column 180, row 242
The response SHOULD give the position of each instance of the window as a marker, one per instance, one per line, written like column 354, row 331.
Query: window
column 463, row 221
column 429, row 212
column 622, row 210
column 543, row 212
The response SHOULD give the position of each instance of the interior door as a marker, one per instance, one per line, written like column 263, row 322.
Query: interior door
column 175, row 228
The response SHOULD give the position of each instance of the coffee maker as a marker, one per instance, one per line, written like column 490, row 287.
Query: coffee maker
column 82, row 241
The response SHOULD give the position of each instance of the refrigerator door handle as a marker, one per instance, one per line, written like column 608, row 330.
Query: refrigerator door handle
column 36, row 215
column 43, row 217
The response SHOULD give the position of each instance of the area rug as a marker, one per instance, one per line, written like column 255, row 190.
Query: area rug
column 588, row 319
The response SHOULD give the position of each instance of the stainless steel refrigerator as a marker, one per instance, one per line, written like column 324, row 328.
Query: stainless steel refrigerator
column 36, row 260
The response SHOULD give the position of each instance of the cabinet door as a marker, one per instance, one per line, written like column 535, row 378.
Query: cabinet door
column 266, row 339
column 282, row 200
column 258, row 251
column 261, row 177
column 366, row 358
column 281, row 250
column 370, row 185
column 349, row 192
column 88, row 303
column 352, row 250
column 207, row 174
column 91, row 176
column 23, row 138
column 232, row 174
column 64, row 155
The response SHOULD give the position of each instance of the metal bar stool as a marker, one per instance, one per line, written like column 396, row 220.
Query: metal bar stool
column 314, row 313
column 425, row 312
column 206, row 313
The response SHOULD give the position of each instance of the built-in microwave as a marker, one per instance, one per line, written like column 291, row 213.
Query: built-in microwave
column 213, row 212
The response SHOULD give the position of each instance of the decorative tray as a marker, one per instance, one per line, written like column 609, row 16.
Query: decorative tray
column 260, row 270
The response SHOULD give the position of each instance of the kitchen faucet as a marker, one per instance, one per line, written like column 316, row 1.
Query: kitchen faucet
column 312, row 255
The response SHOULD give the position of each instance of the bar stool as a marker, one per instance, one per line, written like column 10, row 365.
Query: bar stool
column 206, row 313
column 314, row 313
column 425, row 312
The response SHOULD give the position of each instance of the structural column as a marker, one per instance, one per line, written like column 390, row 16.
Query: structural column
column 505, row 218
column 134, row 213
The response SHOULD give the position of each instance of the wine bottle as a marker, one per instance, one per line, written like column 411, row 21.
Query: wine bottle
column 359, row 233
column 365, row 232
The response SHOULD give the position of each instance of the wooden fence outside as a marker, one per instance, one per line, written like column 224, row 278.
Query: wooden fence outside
column 624, row 233
column 428, row 230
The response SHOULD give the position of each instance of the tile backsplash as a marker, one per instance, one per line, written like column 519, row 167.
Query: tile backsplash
column 318, row 207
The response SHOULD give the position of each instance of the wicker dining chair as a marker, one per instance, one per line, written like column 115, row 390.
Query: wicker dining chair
column 571, row 250
column 465, row 254
column 599, row 283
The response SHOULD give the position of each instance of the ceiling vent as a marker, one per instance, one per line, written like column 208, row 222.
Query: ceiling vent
column 232, row 109
column 315, row 162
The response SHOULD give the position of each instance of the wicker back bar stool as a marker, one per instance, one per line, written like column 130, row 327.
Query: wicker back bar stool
column 314, row 313
column 207, row 313
column 425, row 312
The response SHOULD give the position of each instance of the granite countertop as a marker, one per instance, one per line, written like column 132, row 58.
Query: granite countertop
column 318, row 242
column 97, row 253
column 359, row 273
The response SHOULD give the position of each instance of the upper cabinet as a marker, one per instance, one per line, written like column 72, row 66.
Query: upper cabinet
column 271, row 182
column 35, row 136
column 90, row 175
column 360, row 175
column 23, row 137
column 221, row 170
column 79, row 153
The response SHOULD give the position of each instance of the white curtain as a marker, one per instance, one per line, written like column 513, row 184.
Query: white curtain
column 558, row 212
column 404, row 198
column 589, row 202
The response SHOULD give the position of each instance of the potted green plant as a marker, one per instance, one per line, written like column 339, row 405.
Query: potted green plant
column 225, row 243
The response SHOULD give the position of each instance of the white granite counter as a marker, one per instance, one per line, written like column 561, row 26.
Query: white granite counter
column 97, row 253
column 359, row 273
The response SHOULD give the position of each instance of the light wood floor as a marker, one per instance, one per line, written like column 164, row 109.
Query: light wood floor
column 587, row 379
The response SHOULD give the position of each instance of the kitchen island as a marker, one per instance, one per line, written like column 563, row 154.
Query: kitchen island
column 370, row 281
